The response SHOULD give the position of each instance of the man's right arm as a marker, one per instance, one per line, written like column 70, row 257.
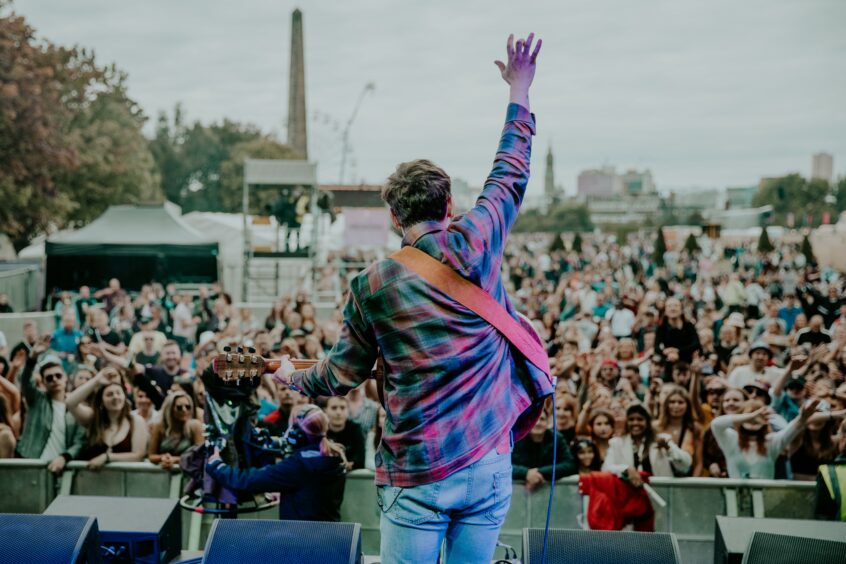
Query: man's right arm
column 496, row 209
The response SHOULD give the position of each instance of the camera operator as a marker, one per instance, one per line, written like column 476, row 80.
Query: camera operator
column 310, row 479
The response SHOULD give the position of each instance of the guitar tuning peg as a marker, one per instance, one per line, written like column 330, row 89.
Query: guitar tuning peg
column 251, row 350
column 240, row 349
column 227, row 349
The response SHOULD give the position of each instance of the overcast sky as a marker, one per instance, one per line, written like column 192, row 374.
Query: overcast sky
column 704, row 93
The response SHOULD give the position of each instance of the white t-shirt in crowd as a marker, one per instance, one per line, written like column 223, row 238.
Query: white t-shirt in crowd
column 745, row 375
column 154, row 417
column 56, row 441
column 183, row 322
column 621, row 320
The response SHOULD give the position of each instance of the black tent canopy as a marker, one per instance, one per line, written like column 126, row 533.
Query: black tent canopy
column 136, row 244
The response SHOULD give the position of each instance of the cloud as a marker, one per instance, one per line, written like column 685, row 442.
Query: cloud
column 704, row 93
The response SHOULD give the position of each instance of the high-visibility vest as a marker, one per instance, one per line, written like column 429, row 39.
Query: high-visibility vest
column 834, row 476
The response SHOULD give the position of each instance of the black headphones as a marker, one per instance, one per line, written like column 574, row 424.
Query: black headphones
column 295, row 437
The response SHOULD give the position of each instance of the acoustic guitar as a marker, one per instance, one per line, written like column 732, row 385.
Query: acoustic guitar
column 244, row 364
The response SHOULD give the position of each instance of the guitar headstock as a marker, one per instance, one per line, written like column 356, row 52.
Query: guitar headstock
column 241, row 364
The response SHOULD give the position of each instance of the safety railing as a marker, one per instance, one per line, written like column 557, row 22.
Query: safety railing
column 26, row 486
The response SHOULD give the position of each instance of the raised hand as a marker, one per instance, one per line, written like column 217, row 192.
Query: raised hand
column 40, row 346
column 808, row 408
column 286, row 370
column 519, row 69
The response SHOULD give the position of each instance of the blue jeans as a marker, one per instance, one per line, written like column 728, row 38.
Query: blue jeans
column 467, row 508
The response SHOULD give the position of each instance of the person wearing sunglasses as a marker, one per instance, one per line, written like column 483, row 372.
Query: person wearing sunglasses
column 50, row 432
column 176, row 432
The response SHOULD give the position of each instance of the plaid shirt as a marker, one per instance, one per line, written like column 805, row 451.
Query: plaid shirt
column 453, row 387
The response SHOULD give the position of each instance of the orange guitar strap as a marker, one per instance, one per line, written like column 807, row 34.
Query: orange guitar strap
column 475, row 299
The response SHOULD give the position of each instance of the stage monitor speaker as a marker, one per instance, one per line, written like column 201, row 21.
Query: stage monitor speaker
column 770, row 548
column 577, row 546
column 306, row 542
column 48, row 538
column 733, row 534
column 144, row 530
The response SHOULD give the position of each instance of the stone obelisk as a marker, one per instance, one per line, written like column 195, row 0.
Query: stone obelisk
column 297, row 118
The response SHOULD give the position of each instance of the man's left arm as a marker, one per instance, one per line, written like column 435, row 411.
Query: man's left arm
column 350, row 361
column 78, row 437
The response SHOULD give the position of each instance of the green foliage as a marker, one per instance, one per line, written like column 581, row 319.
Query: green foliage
column 660, row 248
column 807, row 250
column 232, row 172
column 691, row 245
column 70, row 137
column 557, row 243
column 793, row 193
column 695, row 218
column 577, row 243
column 840, row 195
column 764, row 243
column 115, row 164
column 195, row 162
column 623, row 230
column 560, row 218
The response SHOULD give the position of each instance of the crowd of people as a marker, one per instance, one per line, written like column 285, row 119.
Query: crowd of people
column 724, row 363
column 721, row 364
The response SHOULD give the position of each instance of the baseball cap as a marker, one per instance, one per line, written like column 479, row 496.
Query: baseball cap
column 736, row 320
column 760, row 346
column 795, row 383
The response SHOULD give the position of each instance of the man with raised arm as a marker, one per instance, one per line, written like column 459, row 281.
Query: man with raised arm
column 454, row 389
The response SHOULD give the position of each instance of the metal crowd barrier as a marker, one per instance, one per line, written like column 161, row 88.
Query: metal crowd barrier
column 26, row 486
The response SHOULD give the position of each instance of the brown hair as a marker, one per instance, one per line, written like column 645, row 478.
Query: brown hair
column 601, row 412
column 101, row 416
column 417, row 191
column 760, row 436
column 687, row 419
column 828, row 448
column 167, row 414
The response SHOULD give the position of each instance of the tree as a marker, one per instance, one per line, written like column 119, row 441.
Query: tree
column 114, row 162
column 557, row 243
column 695, row 218
column 33, row 125
column 70, row 138
column 691, row 245
column 807, row 250
column 190, row 160
column 232, row 172
column 764, row 243
column 794, row 194
column 840, row 195
column 660, row 248
column 565, row 217
column 577, row 243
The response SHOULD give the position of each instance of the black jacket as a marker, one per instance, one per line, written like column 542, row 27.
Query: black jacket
column 529, row 454
column 686, row 339
column 311, row 484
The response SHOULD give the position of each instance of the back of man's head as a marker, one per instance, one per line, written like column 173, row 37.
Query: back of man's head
column 417, row 191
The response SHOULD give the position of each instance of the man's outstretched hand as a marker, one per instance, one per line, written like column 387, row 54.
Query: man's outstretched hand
column 519, row 71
